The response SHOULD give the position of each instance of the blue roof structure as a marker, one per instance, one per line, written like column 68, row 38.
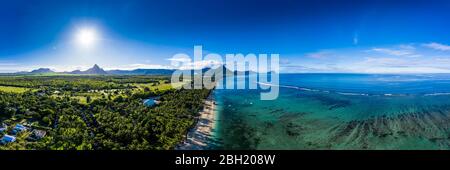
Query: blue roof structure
column 149, row 102
column 8, row 139
column 20, row 127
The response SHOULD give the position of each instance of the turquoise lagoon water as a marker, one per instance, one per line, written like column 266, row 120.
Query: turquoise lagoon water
column 339, row 111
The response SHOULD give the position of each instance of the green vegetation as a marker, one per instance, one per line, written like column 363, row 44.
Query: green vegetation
column 13, row 89
column 96, row 112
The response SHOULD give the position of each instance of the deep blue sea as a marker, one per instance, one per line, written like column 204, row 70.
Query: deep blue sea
column 339, row 111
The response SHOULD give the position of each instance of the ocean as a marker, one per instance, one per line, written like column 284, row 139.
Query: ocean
column 338, row 111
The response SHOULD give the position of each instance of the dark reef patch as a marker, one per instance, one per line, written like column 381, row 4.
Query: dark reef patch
column 433, row 125
column 331, row 102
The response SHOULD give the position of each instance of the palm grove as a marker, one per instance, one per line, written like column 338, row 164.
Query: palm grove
column 96, row 112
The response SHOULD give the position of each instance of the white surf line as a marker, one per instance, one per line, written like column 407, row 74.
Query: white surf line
column 353, row 94
column 291, row 87
column 437, row 94
column 306, row 89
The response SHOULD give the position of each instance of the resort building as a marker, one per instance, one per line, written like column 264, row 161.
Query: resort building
column 7, row 139
column 151, row 101
column 38, row 134
column 19, row 128
column 3, row 128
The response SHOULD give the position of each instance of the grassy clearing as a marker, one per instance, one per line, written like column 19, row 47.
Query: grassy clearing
column 83, row 99
column 162, row 86
column 114, row 93
column 10, row 89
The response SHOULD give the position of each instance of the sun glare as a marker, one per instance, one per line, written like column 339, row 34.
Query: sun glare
column 86, row 37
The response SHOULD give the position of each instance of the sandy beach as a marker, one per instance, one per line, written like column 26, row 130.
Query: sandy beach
column 200, row 137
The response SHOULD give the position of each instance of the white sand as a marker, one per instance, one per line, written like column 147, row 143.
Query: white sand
column 199, row 136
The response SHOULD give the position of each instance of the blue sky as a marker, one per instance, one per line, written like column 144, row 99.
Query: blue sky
column 310, row 36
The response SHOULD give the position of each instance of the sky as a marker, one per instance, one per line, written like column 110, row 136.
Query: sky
column 361, row 36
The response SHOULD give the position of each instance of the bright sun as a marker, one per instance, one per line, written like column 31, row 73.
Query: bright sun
column 86, row 37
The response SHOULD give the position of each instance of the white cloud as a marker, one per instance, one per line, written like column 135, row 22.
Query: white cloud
column 8, row 64
column 355, row 40
column 139, row 66
column 414, row 55
column 407, row 47
column 186, row 63
column 9, row 67
column 401, row 58
column 319, row 55
column 402, row 65
column 443, row 59
column 404, row 70
column 201, row 64
column 437, row 46
column 397, row 52
column 384, row 61
column 180, row 59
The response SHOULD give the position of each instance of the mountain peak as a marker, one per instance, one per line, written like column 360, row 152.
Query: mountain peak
column 94, row 70
column 41, row 70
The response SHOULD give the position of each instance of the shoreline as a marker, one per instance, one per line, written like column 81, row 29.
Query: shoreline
column 200, row 137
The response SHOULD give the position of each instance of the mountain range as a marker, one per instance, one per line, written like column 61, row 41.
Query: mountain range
column 41, row 70
column 97, row 70
column 94, row 70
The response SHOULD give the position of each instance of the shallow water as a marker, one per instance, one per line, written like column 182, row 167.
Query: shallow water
column 339, row 111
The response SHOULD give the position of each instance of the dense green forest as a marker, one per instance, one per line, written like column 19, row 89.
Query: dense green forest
column 96, row 112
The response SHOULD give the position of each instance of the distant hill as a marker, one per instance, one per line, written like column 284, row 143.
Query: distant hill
column 37, row 71
column 41, row 71
column 94, row 70
column 75, row 72
column 97, row 70
column 226, row 71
